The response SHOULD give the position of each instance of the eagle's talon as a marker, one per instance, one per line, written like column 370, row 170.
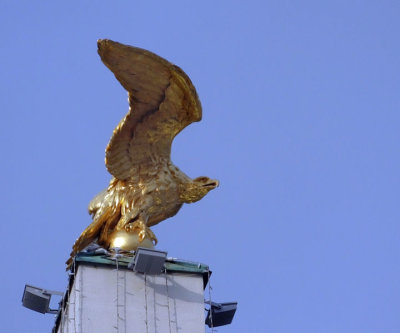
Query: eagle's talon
column 142, row 230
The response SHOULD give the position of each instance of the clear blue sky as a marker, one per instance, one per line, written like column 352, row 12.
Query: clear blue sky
column 301, row 118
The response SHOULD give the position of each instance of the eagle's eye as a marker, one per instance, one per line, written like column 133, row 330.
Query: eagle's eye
column 207, row 182
column 202, row 179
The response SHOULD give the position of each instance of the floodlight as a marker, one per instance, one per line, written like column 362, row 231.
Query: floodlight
column 222, row 314
column 38, row 299
column 148, row 261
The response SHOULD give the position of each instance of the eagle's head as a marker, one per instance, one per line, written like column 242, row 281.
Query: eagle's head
column 197, row 189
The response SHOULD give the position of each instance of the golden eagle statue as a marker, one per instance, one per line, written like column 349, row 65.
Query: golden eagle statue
column 146, row 188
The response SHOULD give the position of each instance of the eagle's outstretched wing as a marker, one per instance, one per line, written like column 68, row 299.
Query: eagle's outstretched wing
column 162, row 99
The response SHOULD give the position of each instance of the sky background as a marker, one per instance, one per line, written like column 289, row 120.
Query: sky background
column 301, row 117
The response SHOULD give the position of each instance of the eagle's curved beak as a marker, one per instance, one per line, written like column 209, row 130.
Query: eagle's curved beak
column 211, row 184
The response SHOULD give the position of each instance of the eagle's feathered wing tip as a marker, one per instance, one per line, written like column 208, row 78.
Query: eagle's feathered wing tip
column 90, row 234
column 163, row 101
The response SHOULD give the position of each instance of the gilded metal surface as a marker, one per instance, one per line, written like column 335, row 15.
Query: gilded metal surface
column 146, row 188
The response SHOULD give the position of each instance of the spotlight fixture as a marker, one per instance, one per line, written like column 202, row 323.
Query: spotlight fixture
column 220, row 314
column 148, row 261
column 38, row 299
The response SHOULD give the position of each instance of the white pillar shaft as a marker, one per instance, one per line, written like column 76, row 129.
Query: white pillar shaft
column 108, row 300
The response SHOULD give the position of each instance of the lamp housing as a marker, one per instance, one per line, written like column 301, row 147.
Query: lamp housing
column 222, row 314
column 38, row 299
column 148, row 261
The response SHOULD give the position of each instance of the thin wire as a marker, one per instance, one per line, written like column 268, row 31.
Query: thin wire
column 124, row 302
column 116, row 263
column 61, row 322
column 209, row 296
column 62, row 315
column 176, row 315
column 152, row 281
column 80, row 300
column 119, row 317
column 145, row 296
column 75, row 291
column 166, row 288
